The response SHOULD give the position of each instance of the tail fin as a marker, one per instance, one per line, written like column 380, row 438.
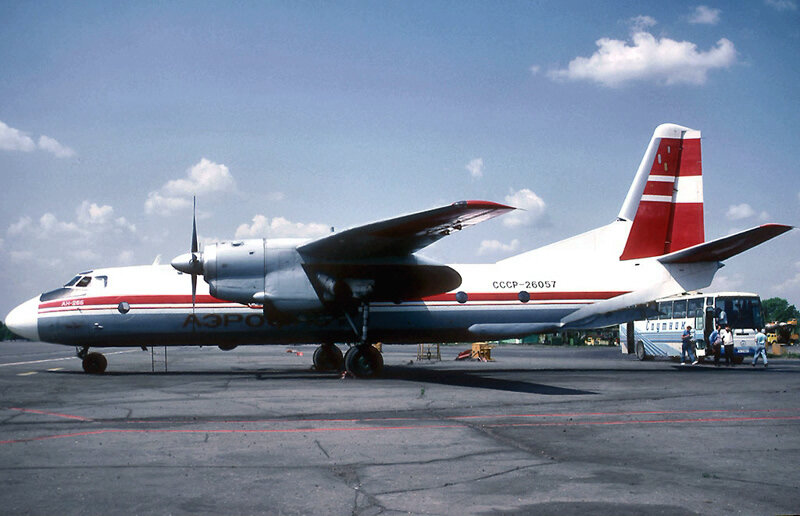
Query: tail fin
column 665, row 201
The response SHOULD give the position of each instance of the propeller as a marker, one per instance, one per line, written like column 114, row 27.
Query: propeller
column 192, row 262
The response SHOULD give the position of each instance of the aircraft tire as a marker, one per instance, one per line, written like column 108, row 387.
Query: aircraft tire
column 328, row 357
column 364, row 362
column 94, row 363
column 641, row 354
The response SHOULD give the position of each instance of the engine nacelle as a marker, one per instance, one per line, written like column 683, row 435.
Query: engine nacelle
column 268, row 272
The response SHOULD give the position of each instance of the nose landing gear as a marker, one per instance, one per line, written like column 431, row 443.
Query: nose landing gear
column 94, row 362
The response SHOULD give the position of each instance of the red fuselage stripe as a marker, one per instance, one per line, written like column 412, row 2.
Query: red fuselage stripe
column 175, row 301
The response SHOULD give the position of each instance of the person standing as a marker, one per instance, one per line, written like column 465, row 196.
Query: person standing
column 716, row 343
column 727, row 342
column 761, row 345
column 687, row 343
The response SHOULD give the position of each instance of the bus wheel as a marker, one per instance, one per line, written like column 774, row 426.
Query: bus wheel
column 640, row 352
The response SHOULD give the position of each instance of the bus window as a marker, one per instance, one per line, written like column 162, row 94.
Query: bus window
column 695, row 308
column 679, row 309
column 741, row 312
column 666, row 310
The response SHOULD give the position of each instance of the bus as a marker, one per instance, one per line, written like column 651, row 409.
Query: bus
column 660, row 336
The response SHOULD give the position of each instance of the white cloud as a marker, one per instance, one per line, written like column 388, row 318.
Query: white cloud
column 158, row 204
column 705, row 15
column 49, row 225
column 496, row 246
column 724, row 283
column 640, row 23
column 535, row 69
column 475, row 167
column 740, row 211
column 202, row 178
column 782, row 5
column 647, row 59
column 91, row 213
column 15, row 140
column 531, row 208
column 279, row 227
column 53, row 146
column 125, row 258
column 20, row 226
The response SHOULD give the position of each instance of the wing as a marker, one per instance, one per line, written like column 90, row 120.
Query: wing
column 401, row 236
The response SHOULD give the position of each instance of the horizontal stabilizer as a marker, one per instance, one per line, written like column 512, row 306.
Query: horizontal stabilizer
column 723, row 248
column 509, row 330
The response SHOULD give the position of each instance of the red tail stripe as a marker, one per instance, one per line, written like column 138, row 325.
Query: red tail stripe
column 659, row 188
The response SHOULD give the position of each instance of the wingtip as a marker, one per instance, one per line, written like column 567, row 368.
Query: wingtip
column 484, row 204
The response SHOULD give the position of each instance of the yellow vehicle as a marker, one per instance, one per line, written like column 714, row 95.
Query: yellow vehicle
column 783, row 333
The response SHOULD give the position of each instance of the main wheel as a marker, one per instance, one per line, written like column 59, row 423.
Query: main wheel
column 328, row 357
column 364, row 362
column 641, row 354
column 95, row 363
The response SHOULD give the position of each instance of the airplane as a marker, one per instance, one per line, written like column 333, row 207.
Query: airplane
column 367, row 284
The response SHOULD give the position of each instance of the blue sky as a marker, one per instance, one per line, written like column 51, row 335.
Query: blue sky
column 289, row 118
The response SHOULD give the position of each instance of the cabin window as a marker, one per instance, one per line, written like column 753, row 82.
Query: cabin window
column 84, row 282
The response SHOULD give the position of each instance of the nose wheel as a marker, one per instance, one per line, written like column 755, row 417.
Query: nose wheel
column 94, row 362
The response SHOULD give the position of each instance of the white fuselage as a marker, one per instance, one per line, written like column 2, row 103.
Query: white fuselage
column 534, row 292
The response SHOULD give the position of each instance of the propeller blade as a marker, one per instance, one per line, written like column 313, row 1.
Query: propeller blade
column 194, row 290
column 194, row 225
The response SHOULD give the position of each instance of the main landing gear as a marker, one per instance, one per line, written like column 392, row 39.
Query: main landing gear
column 94, row 362
column 362, row 360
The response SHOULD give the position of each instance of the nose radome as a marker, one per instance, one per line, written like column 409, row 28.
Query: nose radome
column 23, row 320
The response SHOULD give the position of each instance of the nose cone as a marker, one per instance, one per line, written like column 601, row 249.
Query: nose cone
column 23, row 320
column 189, row 263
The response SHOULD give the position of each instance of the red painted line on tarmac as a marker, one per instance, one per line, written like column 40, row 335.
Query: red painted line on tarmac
column 385, row 428
column 628, row 413
column 650, row 422
column 458, row 418
column 46, row 413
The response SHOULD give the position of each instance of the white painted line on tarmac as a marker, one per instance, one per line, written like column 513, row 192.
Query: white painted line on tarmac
column 62, row 358
column 26, row 374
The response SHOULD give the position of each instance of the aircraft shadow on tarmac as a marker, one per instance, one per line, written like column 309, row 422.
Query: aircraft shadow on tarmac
column 456, row 378
column 479, row 380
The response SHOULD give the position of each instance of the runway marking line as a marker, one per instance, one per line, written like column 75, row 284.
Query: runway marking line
column 62, row 358
column 386, row 428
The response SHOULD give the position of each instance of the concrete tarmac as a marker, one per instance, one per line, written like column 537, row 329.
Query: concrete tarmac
column 542, row 430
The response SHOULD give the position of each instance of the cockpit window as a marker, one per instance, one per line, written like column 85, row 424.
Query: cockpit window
column 103, row 279
column 84, row 282
column 73, row 281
